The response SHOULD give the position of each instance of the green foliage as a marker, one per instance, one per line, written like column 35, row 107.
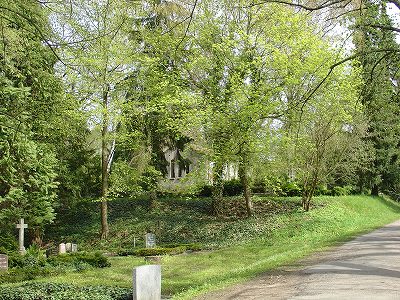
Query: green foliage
column 28, row 273
column 8, row 243
column 51, row 291
column 171, row 249
column 278, row 235
column 94, row 259
column 34, row 257
column 343, row 191
column 232, row 187
column 28, row 180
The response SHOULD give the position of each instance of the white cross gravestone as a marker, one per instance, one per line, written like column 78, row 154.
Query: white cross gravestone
column 21, row 226
column 147, row 282
column 150, row 239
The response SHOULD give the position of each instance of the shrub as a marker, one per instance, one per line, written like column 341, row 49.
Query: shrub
column 205, row 191
column 166, row 249
column 342, row 191
column 258, row 186
column 94, row 259
column 291, row 189
column 191, row 247
column 8, row 244
column 53, row 291
column 34, row 257
column 158, row 251
column 322, row 190
column 233, row 187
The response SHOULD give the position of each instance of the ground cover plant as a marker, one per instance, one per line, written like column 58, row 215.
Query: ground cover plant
column 51, row 291
column 261, row 243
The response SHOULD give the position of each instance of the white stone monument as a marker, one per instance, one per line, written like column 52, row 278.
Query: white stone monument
column 74, row 248
column 147, row 282
column 21, row 226
column 68, row 247
column 61, row 249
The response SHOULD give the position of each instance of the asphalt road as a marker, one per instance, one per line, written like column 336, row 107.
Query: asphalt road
column 365, row 268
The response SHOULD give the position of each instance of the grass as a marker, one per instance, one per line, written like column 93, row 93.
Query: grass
column 247, row 247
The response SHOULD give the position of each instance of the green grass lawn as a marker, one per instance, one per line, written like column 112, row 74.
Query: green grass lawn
column 248, row 247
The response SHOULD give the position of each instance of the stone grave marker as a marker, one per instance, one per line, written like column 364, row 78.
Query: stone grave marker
column 74, row 248
column 150, row 239
column 147, row 282
column 3, row 262
column 61, row 249
column 68, row 247
column 21, row 226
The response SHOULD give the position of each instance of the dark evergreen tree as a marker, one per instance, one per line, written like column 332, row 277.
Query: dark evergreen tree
column 379, row 56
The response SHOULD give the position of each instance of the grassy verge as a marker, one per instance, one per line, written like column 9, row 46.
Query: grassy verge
column 289, row 237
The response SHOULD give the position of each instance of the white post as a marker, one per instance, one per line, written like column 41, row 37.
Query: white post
column 21, row 226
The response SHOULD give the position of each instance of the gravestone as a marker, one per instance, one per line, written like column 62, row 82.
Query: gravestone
column 68, row 247
column 21, row 226
column 3, row 262
column 150, row 239
column 74, row 248
column 147, row 282
column 61, row 249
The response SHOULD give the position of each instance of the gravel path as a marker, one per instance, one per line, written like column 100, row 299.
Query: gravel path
column 365, row 268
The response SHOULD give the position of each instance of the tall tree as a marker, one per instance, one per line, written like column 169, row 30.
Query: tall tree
column 379, row 62
column 30, row 96
column 98, row 57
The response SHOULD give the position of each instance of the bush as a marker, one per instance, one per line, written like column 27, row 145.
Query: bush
column 291, row 189
column 233, row 187
column 190, row 247
column 342, row 191
column 258, row 186
column 94, row 259
column 34, row 257
column 8, row 244
column 53, row 291
column 166, row 249
column 205, row 191
column 322, row 190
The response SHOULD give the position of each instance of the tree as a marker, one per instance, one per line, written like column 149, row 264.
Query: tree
column 30, row 93
column 379, row 95
column 97, row 53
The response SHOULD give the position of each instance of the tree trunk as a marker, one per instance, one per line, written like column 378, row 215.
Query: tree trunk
column 308, row 192
column 104, row 168
column 245, row 183
column 37, row 236
column 217, row 189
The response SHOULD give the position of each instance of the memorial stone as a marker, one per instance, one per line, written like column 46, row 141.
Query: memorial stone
column 150, row 239
column 3, row 262
column 147, row 282
column 61, row 249
column 74, row 248
column 68, row 247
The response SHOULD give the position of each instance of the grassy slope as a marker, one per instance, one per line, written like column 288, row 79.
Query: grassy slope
column 271, row 241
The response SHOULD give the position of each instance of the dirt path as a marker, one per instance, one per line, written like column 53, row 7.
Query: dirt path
column 365, row 268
